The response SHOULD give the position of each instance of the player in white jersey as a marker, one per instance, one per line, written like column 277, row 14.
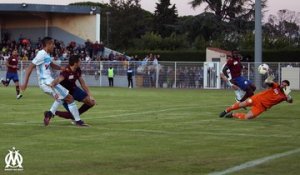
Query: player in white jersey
column 42, row 62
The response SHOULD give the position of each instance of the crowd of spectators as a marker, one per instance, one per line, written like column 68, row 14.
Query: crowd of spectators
column 89, row 51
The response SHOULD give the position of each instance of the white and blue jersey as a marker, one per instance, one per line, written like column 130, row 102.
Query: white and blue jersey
column 42, row 62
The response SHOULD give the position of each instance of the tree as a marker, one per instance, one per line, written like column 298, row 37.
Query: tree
column 282, row 29
column 127, row 22
column 165, row 18
column 229, row 10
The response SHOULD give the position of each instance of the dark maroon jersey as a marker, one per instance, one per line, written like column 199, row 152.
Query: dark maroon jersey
column 13, row 61
column 235, row 67
column 70, row 78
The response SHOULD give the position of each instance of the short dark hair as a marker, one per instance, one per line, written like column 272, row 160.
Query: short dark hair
column 74, row 59
column 45, row 40
column 287, row 82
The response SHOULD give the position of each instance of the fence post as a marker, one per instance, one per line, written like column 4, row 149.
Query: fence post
column 175, row 74
column 249, row 71
column 279, row 72
column 157, row 76
column 100, row 73
column 21, row 72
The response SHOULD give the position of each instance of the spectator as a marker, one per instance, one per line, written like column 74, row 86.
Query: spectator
column 110, row 75
column 111, row 56
column 129, row 77
column 96, row 49
column 101, row 49
column 89, row 47
column 24, row 57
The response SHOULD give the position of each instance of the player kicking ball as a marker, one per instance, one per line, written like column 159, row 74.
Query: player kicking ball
column 275, row 94
column 42, row 63
column 12, row 72
column 67, row 79
column 234, row 66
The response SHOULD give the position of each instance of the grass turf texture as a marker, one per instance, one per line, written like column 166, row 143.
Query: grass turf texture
column 149, row 132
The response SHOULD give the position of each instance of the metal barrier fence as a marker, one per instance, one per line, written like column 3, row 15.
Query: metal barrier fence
column 162, row 75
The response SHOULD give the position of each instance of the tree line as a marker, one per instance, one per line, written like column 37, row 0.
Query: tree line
column 227, row 24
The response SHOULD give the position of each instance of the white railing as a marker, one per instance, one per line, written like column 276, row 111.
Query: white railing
column 162, row 75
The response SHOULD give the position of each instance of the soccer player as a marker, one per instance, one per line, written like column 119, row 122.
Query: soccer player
column 226, row 77
column 67, row 79
column 12, row 72
column 235, row 66
column 42, row 63
column 262, row 101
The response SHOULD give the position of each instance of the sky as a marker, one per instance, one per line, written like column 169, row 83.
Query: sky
column 182, row 5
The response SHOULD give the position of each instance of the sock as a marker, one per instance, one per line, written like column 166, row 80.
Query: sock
column 233, row 107
column 239, row 94
column 84, row 108
column 18, row 90
column 55, row 105
column 74, row 111
column 240, row 116
column 64, row 114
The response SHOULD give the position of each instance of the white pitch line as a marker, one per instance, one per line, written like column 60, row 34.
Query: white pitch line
column 167, row 132
column 195, row 133
column 255, row 162
column 128, row 113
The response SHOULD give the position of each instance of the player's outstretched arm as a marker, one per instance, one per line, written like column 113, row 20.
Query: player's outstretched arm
column 270, row 80
column 27, row 75
column 287, row 90
column 289, row 99
column 85, row 87
column 224, row 78
column 57, row 67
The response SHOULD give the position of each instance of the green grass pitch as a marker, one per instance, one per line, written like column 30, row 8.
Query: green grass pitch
column 147, row 132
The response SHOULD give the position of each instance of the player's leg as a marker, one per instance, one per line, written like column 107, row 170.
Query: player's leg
column 58, row 101
column 16, row 81
column 65, row 114
column 64, row 94
column 239, row 94
column 255, row 111
column 74, row 110
column 247, row 86
column 87, row 104
column 81, row 96
column 7, row 79
column 60, row 93
column 4, row 82
column 236, row 106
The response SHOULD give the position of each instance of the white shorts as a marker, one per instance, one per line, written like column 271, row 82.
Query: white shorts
column 58, row 92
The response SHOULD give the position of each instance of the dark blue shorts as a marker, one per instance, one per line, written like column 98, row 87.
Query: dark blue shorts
column 242, row 82
column 78, row 95
column 12, row 76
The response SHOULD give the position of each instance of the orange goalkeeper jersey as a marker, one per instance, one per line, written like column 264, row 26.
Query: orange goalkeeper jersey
column 270, row 97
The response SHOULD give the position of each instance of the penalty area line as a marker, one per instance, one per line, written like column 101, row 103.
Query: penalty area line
column 256, row 162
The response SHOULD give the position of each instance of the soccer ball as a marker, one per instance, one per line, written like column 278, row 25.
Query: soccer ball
column 263, row 68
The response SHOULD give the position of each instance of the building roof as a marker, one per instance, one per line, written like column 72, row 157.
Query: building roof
column 219, row 50
column 40, row 8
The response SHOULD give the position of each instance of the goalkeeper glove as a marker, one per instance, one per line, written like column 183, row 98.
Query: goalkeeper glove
column 287, row 90
column 270, row 78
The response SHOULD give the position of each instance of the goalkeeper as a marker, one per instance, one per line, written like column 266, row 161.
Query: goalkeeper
column 275, row 94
